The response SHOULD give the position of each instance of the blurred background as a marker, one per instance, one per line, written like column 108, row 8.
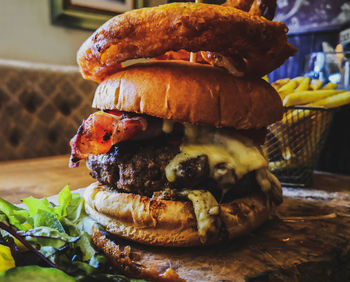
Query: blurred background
column 43, row 97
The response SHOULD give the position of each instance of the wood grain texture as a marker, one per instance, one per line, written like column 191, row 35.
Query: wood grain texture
column 40, row 177
column 308, row 240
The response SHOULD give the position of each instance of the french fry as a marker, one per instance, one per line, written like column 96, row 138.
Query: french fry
column 277, row 165
column 287, row 89
column 333, row 101
column 307, row 97
column 330, row 86
column 295, row 116
column 285, row 150
column 301, row 127
column 316, row 84
column 279, row 83
column 304, row 84
column 298, row 79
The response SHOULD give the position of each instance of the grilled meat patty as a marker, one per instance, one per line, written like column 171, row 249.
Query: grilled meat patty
column 136, row 167
column 139, row 167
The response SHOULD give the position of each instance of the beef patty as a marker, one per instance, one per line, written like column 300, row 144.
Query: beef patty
column 136, row 167
column 139, row 167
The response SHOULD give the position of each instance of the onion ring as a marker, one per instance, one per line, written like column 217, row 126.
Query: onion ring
column 243, row 5
column 235, row 66
column 265, row 8
column 150, row 32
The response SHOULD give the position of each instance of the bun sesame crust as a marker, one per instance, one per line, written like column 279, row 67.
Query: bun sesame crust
column 189, row 92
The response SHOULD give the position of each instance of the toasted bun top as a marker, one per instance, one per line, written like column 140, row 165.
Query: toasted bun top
column 188, row 92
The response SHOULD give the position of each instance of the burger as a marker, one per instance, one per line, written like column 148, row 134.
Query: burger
column 175, row 151
column 190, row 171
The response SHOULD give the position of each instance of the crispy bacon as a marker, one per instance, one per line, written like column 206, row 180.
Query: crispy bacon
column 101, row 131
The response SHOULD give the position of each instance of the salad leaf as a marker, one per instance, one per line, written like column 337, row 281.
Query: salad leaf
column 64, row 199
column 76, row 208
column 48, row 219
column 46, row 236
column 49, row 251
column 34, row 205
column 41, row 274
column 35, row 273
column 3, row 218
column 12, row 239
column 19, row 218
column 6, row 259
column 86, row 248
column 59, row 234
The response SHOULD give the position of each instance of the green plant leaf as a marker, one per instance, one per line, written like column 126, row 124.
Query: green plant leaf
column 64, row 199
column 60, row 233
column 86, row 248
column 35, row 273
column 75, row 209
column 19, row 218
column 34, row 205
column 45, row 218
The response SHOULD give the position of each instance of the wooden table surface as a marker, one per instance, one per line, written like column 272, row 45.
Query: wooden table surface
column 41, row 177
column 309, row 240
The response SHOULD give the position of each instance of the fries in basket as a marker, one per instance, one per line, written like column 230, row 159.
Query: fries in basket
column 294, row 143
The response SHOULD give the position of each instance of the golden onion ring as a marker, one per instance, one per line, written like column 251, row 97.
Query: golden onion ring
column 150, row 32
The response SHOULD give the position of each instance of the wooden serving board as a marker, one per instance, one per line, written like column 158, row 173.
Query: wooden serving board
column 309, row 240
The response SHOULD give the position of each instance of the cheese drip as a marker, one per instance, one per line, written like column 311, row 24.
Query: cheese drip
column 207, row 212
column 221, row 147
column 237, row 152
column 168, row 126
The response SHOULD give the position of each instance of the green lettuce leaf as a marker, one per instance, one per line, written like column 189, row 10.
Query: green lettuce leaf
column 75, row 208
column 17, row 217
column 85, row 246
column 47, row 232
column 34, row 205
column 35, row 273
column 61, row 234
column 45, row 218
column 64, row 199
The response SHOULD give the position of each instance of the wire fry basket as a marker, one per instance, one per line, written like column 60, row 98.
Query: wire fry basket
column 293, row 145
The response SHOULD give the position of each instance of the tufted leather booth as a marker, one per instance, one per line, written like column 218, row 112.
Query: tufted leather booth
column 41, row 107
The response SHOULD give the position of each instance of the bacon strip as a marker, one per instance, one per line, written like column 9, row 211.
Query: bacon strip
column 100, row 132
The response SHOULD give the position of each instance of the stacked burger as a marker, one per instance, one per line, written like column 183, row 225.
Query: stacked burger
column 174, row 146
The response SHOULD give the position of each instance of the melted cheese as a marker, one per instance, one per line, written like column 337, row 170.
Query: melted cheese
column 207, row 211
column 262, row 179
column 266, row 180
column 168, row 126
column 235, row 151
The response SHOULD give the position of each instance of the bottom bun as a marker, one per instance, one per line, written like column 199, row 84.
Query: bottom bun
column 168, row 223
